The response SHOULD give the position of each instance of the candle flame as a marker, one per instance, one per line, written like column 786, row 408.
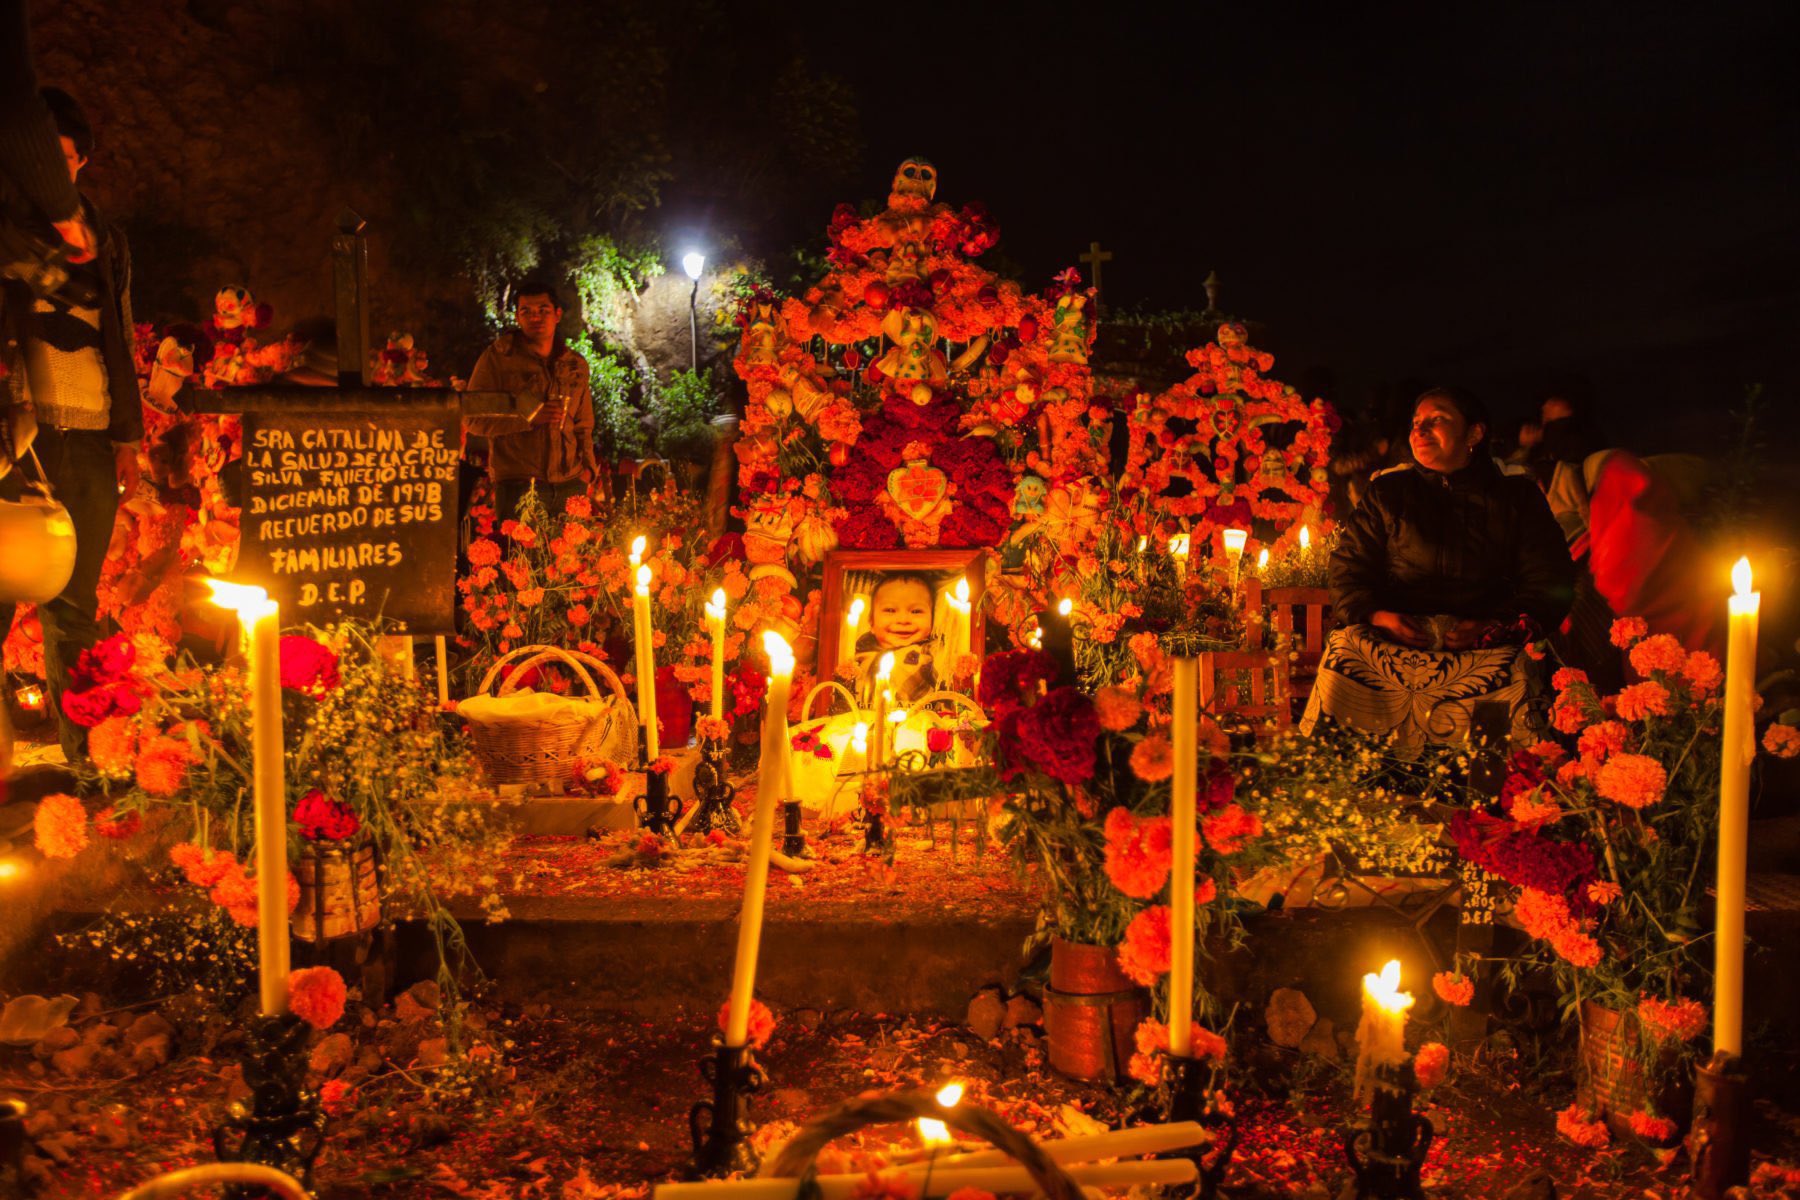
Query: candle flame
column 950, row 1095
column 10, row 869
column 240, row 598
column 1305, row 538
column 1740, row 576
column 715, row 607
column 1235, row 540
column 895, row 716
column 1385, row 988
column 781, row 656
column 885, row 667
column 1262, row 558
column 1142, row 543
column 1178, row 545
column 1066, row 606
column 859, row 736
column 637, row 549
column 962, row 590
column 643, row 580
column 934, row 1132
column 854, row 617
column 1037, row 638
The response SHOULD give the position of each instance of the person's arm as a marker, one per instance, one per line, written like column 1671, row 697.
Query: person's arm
column 486, row 378
column 126, row 420
column 1359, row 563
column 583, row 419
column 1544, row 573
column 30, row 154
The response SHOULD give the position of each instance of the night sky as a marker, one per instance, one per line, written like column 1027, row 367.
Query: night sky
column 1494, row 197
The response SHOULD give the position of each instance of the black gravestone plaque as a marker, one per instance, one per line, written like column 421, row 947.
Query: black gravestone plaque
column 353, row 515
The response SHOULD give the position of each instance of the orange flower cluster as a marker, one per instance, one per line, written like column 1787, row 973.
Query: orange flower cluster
column 1640, row 700
column 1583, row 1128
column 1153, row 758
column 1229, row 828
column 1634, row 780
column 1453, row 987
column 1783, row 741
column 1137, row 856
column 316, row 995
column 1145, row 953
column 1652, row 1128
column 1152, row 1038
column 1431, row 1064
column 1118, row 708
column 1546, row 916
column 1679, row 1021
column 229, row 886
column 762, row 1023
column 60, row 826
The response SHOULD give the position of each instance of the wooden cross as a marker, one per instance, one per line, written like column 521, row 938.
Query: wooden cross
column 1094, row 257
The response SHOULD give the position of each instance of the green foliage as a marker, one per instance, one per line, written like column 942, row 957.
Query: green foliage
column 683, row 409
column 609, row 277
column 617, row 421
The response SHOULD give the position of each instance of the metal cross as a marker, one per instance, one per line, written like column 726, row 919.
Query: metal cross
column 1093, row 258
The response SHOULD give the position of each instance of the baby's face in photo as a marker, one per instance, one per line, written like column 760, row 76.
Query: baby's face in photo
column 902, row 613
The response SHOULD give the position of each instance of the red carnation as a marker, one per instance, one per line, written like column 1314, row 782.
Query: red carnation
column 324, row 818
column 1056, row 736
column 308, row 665
column 1013, row 677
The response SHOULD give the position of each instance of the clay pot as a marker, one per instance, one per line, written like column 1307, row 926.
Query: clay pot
column 1610, row 1079
column 1091, row 1011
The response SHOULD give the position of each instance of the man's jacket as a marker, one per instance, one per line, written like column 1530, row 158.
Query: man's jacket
column 517, row 449
column 1475, row 544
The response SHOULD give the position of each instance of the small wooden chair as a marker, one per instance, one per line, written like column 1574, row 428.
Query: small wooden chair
column 1251, row 685
column 1270, row 623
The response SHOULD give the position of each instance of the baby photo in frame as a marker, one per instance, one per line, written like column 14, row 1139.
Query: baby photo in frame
column 909, row 603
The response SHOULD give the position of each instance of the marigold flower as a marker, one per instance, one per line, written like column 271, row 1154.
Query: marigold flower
column 1153, row 759
column 112, row 744
column 335, row 1097
column 579, row 615
column 1227, row 830
column 1152, row 1038
column 1680, row 1021
column 1601, row 741
column 1576, row 1125
column 484, row 552
column 162, row 765
column 1783, row 741
column 1634, row 780
column 116, row 826
column 1640, row 700
column 1118, row 708
column 316, row 995
column 1651, row 1127
column 1137, row 856
column 1628, row 631
column 1604, row 892
column 1431, row 1064
column 203, row 868
column 1551, row 753
column 1661, row 652
column 60, row 826
column 1576, row 948
column 1145, row 953
column 761, row 1026
column 1453, row 987
column 1702, row 671
column 1567, row 677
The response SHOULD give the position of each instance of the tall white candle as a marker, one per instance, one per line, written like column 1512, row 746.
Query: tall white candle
column 715, row 617
column 1178, row 550
column 1186, row 719
column 260, row 618
column 852, row 623
column 1381, row 1035
column 443, row 672
column 1164, row 1172
column 878, row 723
column 637, row 551
column 771, row 789
column 646, row 662
column 1738, row 748
column 1235, row 541
column 958, row 638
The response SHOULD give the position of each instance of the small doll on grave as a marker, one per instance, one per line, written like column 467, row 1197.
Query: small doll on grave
column 901, row 609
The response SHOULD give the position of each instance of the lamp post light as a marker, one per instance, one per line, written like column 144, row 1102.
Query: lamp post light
column 694, row 262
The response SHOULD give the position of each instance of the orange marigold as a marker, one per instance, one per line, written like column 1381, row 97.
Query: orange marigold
column 1601, row 741
column 1680, row 1021
column 1431, row 1064
column 1703, row 672
column 203, row 868
column 1659, row 653
column 1453, row 987
column 1783, row 741
column 162, row 765
column 113, row 744
column 316, row 995
column 1118, row 708
column 1634, row 780
column 61, row 826
column 1153, row 759
column 1137, row 855
column 483, row 552
column 1651, row 1127
column 1581, row 1128
column 1628, row 631
column 1145, row 953
column 1228, row 829
column 1604, row 891
column 1152, row 1038
column 1640, row 700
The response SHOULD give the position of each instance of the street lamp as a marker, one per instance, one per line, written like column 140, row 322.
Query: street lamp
column 693, row 262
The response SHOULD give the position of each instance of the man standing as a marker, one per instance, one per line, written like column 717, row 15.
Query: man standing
column 553, row 449
column 78, row 374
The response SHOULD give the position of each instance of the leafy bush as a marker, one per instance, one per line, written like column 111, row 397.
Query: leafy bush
column 684, row 408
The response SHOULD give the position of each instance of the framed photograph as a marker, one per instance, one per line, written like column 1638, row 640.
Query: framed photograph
column 904, row 602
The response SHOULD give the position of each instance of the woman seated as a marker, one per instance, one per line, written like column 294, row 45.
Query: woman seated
column 1441, row 574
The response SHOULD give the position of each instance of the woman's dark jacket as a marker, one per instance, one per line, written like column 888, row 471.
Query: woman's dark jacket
column 1473, row 544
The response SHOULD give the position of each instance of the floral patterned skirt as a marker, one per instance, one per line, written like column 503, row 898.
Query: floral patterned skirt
column 1416, row 696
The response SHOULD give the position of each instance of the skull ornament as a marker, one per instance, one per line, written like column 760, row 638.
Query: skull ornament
column 915, row 183
column 232, row 307
column 1028, row 498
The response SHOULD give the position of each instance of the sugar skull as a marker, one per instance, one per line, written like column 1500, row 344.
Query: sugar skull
column 233, row 308
column 914, row 181
column 1232, row 334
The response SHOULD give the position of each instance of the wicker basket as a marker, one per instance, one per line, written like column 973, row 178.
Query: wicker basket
column 801, row 1151
column 546, row 750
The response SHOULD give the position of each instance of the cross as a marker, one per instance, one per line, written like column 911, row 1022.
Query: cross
column 1094, row 257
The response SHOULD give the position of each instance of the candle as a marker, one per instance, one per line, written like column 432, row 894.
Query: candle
column 771, row 788
column 644, row 636
column 884, row 671
column 1305, row 540
column 1186, row 721
column 933, row 1132
column 443, row 668
column 637, row 551
column 1157, row 1172
column 1178, row 550
column 1381, row 1036
column 715, row 617
column 1738, row 748
column 30, row 698
column 957, row 638
column 260, row 619
column 1059, row 638
column 1116, row 1143
column 1235, row 541
column 852, row 622
column 1262, row 560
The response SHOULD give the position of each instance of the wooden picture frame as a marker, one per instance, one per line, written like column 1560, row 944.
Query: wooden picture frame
column 971, row 563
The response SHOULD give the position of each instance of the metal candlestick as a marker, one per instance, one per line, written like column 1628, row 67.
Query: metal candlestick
column 282, row 1126
column 656, row 810
column 1387, row 1149
column 1719, row 1139
column 721, row 1127
column 713, row 794
column 1189, row 1088
column 793, row 841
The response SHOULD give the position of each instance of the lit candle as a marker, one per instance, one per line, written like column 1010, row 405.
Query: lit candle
column 260, row 619
column 933, row 1132
column 878, row 731
column 1178, row 550
column 30, row 698
column 1059, row 638
column 852, row 622
column 1305, row 540
column 771, row 789
column 1381, row 1037
column 443, row 668
column 644, row 635
column 715, row 617
column 1738, row 748
column 637, row 551
column 999, row 1180
column 1186, row 720
column 1262, row 560
column 957, row 638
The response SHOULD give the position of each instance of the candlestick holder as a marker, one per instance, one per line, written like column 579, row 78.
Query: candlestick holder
column 1719, row 1140
column 713, row 793
column 1387, row 1148
column 656, row 809
column 282, row 1125
column 1188, row 1097
column 721, row 1127
column 793, row 836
